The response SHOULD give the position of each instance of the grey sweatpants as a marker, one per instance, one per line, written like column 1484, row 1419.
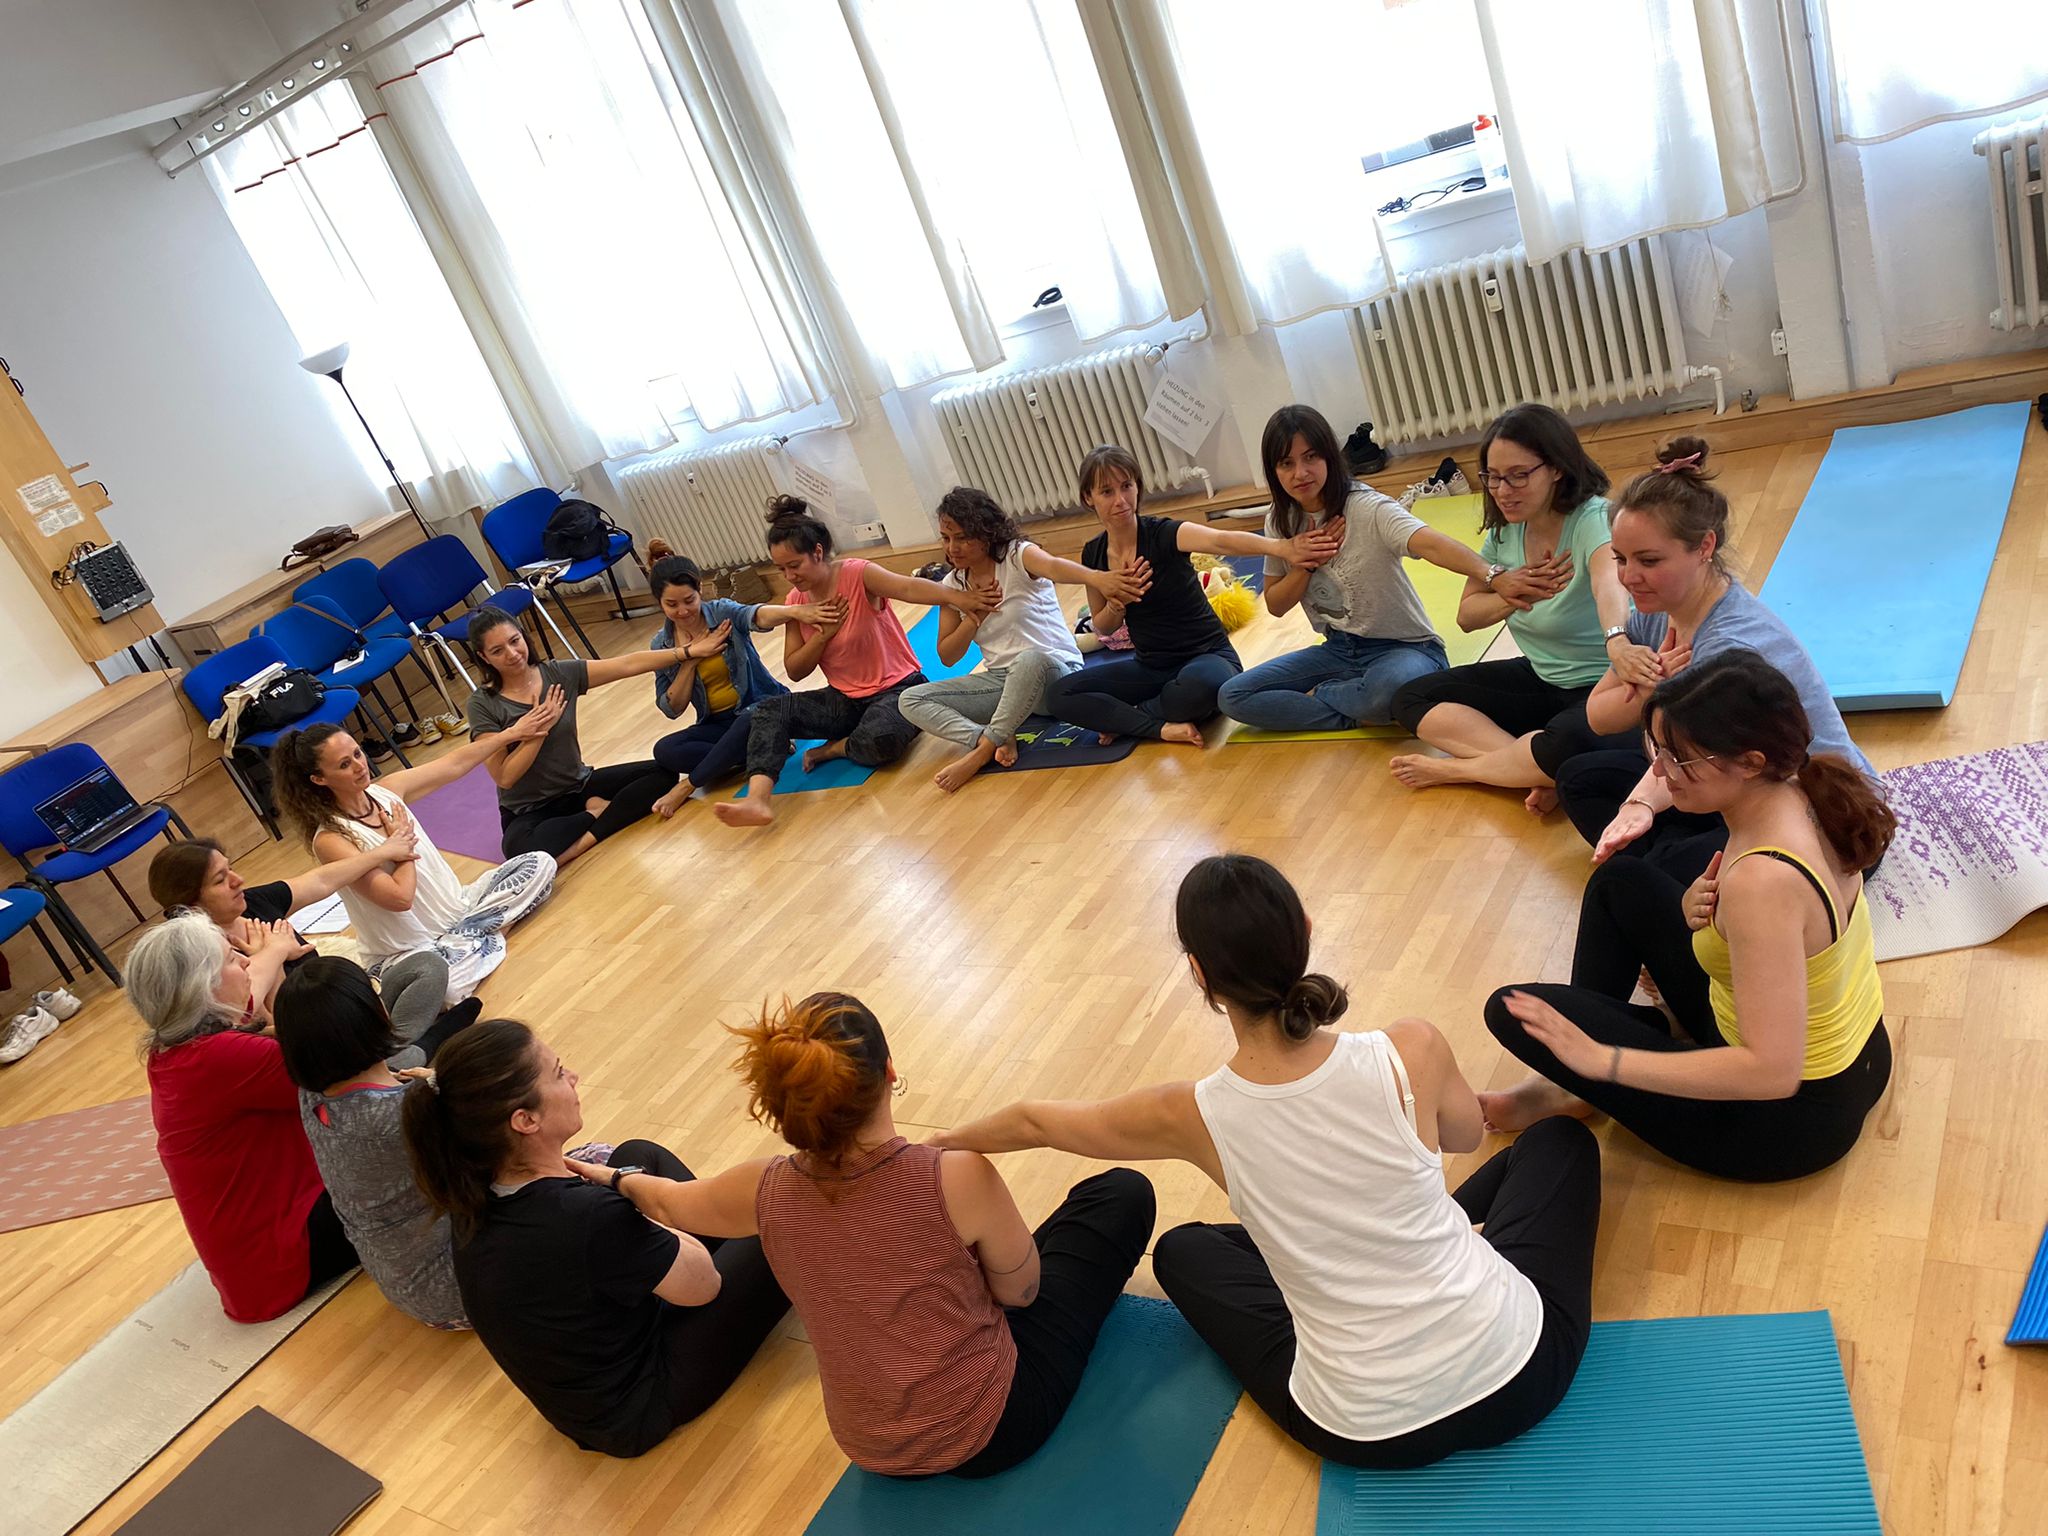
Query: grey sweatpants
column 993, row 703
column 413, row 988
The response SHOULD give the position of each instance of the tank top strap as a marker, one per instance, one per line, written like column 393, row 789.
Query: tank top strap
column 1382, row 1046
column 1820, row 886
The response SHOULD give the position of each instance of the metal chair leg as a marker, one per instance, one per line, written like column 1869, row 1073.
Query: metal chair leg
column 87, row 947
column 447, row 653
column 118, row 886
column 385, row 725
column 176, row 820
column 611, row 574
column 249, row 794
column 537, row 632
column 36, row 927
column 568, row 613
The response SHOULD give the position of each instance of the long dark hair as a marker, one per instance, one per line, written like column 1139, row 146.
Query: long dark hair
column 1679, row 493
column 481, row 623
column 1736, row 703
column 307, row 808
column 1545, row 433
column 1282, row 427
column 815, row 1070
column 980, row 518
column 458, row 1124
column 1245, row 927
column 331, row 1024
column 790, row 522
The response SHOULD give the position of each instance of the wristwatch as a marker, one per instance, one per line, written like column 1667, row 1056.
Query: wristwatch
column 1494, row 572
column 620, row 1173
column 1613, row 630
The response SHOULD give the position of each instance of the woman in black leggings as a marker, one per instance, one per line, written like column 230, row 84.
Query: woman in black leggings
column 1766, row 961
column 550, row 800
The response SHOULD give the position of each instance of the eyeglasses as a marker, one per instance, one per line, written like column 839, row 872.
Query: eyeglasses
column 1662, row 760
column 1513, row 479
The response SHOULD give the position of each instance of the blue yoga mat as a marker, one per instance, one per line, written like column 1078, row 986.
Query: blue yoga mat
column 1884, row 569
column 1687, row 1426
column 1124, row 1462
column 839, row 773
column 2030, row 1322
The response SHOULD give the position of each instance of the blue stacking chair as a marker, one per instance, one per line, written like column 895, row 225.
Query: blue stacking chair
column 24, row 834
column 207, row 684
column 352, row 587
column 431, row 580
column 25, row 904
column 513, row 529
column 315, row 636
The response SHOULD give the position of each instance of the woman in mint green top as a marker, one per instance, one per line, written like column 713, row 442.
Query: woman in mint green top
column 1553, row 579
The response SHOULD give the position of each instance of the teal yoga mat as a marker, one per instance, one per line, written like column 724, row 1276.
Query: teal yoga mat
column 1687, row 1426
column 1124, row 1462
column 1884, row 569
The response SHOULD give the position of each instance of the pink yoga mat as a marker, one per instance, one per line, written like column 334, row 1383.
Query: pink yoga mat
column 463, row 817
column 97, row 1159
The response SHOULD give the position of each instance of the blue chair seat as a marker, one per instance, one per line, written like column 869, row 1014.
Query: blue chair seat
column 616, row 549
column 339, row 704
column 62, row 867
column 512, row 600
column 23, row 907
column 382, row 654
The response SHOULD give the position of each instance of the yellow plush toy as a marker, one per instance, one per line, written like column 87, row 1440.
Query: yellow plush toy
column 1229, row 598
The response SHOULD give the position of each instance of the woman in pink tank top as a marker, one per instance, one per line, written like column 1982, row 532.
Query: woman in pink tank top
column 950, row 1337
column 866, row 657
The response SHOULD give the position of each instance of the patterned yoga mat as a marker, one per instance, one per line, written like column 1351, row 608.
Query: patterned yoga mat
column 1971, row 856
column 97, row 1159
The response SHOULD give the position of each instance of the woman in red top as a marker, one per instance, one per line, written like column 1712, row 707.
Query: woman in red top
column 950, row 1337
column 227, row 1118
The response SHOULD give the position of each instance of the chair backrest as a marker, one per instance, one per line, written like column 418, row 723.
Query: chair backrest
column 513, row 528
column 206, row 683
column 352, row 587
column 29, row 784
column 315, row 641
column 430, row 578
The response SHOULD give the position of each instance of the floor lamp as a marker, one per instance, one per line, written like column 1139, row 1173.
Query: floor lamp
column 329, row 363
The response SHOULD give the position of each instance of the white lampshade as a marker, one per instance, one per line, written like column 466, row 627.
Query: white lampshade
column 329, row 361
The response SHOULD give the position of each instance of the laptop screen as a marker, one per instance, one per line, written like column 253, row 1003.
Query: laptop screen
column 92, row 802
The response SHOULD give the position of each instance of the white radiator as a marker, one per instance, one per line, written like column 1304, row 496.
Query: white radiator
column 2016, row 158
column 1454, row 346
column 1022, row 436
column 709, row 503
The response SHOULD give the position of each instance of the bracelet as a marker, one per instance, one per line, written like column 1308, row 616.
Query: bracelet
column 1614, row 1066
column 1637, row 800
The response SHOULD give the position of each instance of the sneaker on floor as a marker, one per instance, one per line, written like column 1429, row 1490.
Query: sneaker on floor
column 377, row 749
column 1365, row 456
column 452, row 724
column 24, row 1033
column 406, row 735
column 428, row 732
column 58, row 1003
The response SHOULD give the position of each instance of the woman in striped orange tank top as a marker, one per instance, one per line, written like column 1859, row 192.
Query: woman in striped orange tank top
column 1775, row 986
column 950, row 1336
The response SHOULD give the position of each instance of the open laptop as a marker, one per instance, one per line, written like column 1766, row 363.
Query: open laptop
column 92, row 812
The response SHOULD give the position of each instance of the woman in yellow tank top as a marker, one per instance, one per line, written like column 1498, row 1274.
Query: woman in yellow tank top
column 1765, row 962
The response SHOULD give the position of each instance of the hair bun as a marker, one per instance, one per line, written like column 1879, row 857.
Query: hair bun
column 787, row 508
column 1312, row 1002
column 1684, row 456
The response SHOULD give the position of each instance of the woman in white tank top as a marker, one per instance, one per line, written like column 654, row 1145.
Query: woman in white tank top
column 1355, row 1302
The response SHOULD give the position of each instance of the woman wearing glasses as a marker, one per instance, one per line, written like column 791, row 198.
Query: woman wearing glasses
column 1775, row 990
column 1552, row 577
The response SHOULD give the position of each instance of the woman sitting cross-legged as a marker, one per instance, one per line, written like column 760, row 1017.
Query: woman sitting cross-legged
column 1355, row 1303
column 616, row 1328
column 721, row 677
column 852, row 634
column 1784, row 1049
column 950, row 1337
column 326, row 796
column 1183, row 656
column 227, row 1122
column 550, row 800
column 1375, row 634
column 1025, row 643
column 337, row 1039
column 1553, row 578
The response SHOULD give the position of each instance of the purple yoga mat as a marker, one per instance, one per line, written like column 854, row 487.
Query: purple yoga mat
column 463, row 817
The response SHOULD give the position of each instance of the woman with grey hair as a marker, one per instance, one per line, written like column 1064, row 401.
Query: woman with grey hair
column 227, row 1117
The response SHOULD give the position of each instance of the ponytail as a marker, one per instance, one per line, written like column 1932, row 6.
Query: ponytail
column 815, row 1071
column 1857, row 823
column 1244, row 926
column 458, row 1122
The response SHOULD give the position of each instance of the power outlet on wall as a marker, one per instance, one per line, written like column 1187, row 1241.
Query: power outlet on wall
column 874, row 532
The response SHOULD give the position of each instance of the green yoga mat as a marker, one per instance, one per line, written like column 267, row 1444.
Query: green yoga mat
column 1439, row 589
column 1124, row 1462
column 1686, row 1426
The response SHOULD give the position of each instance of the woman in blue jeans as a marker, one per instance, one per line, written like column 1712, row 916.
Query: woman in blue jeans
column 1376, row 636
column 721, row 677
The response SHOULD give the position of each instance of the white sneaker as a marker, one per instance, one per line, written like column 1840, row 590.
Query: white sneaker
column 58, row 1003
column 452, row 724
column 428, row 732
column 24, row 1034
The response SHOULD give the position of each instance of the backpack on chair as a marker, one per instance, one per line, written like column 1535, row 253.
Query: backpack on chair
column 579, row 530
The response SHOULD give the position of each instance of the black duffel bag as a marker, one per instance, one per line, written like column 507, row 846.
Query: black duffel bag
column 579, row 530
column 284, row 700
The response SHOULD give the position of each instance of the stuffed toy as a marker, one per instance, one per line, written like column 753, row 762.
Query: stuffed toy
column 1087, row 641
column 1229, row 598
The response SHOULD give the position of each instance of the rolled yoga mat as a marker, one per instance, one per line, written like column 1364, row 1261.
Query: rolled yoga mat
column 1686, row 1426
column 1883, row 571
column 1124, row 1461
column 258, row 1475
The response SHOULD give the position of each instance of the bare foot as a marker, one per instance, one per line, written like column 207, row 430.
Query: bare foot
column 750, row 812
column 1420, row 772
column 1188, row 735
column 965, row 766
column 1542, row 801
column 1104, row 738
column 1006, row 754
column 1530, row 1100
column 672, row 802
column 823, row 754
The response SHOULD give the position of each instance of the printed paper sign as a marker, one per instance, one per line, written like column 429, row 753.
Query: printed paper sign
column 38, row 495
column 1181, row 416
column 56, row 519
column 814, row 486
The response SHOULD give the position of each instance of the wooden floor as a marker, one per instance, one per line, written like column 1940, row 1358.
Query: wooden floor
column 1015, row 940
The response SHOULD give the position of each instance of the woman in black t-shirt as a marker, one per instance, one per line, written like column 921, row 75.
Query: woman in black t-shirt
column 1182, row 654
column 617, row 1329
column 198, row 875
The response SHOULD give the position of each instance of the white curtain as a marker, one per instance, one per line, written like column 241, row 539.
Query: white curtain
column 316, row 206
column 1251, row 190
column 553, row 142
column 1902, row 64
column 1624, row 118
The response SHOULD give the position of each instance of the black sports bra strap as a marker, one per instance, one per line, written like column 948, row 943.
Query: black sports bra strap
column 1827, row 899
